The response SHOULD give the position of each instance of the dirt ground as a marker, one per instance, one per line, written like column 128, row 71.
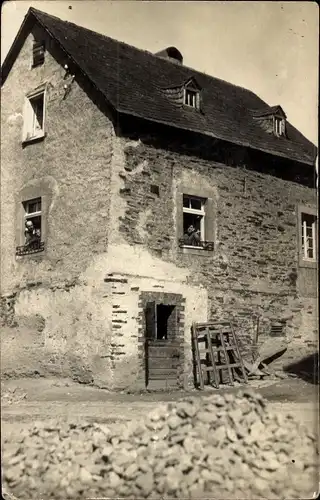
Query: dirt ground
column 27, row 400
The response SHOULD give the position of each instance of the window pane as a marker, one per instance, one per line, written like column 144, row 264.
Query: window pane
column 37, row 106
column 310, row 253
column 186, row 201
column 32, row 228
column 191, row 220
column 196, row 203
column 310, row 243
column 33, row 206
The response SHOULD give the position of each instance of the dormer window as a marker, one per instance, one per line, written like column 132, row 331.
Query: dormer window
column 191, row 97
column 38, row 52
column 279, row 126
column 191, row 94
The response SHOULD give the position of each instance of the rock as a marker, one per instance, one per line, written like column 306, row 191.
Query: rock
column 145, row 483
column 230, row 445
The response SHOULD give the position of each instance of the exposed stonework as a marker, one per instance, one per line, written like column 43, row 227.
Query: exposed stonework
column 113, row 220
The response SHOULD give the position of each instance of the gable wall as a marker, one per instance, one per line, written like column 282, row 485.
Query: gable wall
column 72, row 168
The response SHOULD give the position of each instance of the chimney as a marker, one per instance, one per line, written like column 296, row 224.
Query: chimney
column 171, row 53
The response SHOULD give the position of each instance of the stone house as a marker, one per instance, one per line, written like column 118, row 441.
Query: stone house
column 109, row 154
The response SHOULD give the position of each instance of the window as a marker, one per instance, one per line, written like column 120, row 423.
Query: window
column 191, row 98
column 34, row 116
column 193, row 220
column 278, row 126
column 308, row 237
column 32, row 227
column 38, row 51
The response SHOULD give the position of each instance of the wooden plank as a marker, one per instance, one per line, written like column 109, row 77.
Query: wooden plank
column 237, row 350
column 226, row 357
column 211, row 355
column 163, row 363
column 162, row 385
column 151, row 320
column 163, row 371
column 197, row 355
column 161, row 377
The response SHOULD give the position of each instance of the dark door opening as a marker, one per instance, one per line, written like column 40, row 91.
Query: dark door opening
column 162, row 349
column 165, row 327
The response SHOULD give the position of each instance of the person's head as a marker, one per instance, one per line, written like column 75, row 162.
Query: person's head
column 191, row 229
column 29, row 225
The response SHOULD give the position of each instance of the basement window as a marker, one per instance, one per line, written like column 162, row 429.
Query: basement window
column 32, row 228
column 34, row 116
column 38, row 53
column 308, row 237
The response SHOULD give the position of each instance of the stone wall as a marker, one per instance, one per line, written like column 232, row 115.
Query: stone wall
column 114, row 211
column 254, row 269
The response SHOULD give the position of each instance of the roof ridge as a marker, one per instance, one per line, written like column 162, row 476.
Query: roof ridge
column 198, row 72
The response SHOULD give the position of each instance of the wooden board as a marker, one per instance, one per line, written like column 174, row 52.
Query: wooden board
column 163, row 358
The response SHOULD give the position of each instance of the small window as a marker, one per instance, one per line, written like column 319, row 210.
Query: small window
column 308, row 236
column 191, row 98
column 193, row 220
column 38, row 52
column 278, row 126
column 34, row 116
column 32, row 227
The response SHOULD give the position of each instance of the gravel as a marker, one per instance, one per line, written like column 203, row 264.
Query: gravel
column 220, row 446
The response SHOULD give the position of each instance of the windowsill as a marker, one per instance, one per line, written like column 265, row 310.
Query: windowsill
column 37, row 138
column 191, row 250
column 311, row 264
column 23, row 251
column 37, row 65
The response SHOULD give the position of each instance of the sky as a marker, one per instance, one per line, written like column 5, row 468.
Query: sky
column 270, row 48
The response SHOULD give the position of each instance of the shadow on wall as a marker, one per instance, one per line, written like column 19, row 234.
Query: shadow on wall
column 307, row 368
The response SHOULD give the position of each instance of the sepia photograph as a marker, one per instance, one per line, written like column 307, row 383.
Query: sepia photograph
column 159, row 250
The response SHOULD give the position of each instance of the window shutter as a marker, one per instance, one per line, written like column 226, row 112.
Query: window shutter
column 151, row 320
column 210, row 219
column 27, row 117
column 38, row 53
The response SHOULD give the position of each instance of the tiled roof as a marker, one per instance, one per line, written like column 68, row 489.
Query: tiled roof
column 133, row 80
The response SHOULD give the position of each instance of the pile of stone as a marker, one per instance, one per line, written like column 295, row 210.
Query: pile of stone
column 11, row 395
column 221, row 446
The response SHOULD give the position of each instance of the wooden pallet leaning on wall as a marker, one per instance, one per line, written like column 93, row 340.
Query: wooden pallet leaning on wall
column 221, row 352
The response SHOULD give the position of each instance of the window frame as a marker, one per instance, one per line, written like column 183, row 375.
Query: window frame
column 278, row 126
column 29, row 193
column 197, row 190
column 32, row 215
column 29, row 114
column 194, row 211
column 36, row 46
column 305, row 261
column 306, row 238
column 196, row 96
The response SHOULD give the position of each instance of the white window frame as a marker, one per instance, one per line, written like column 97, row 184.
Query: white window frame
column 194, row 211
column 32, row 215
column 278, row 125
column 29, row 133
column 195, row 98
column 306, row 239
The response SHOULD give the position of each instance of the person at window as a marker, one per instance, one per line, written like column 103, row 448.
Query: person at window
column 192, row 236
column 32, row 235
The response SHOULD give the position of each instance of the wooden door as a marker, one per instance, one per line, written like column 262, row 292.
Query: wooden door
column 162, row 351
